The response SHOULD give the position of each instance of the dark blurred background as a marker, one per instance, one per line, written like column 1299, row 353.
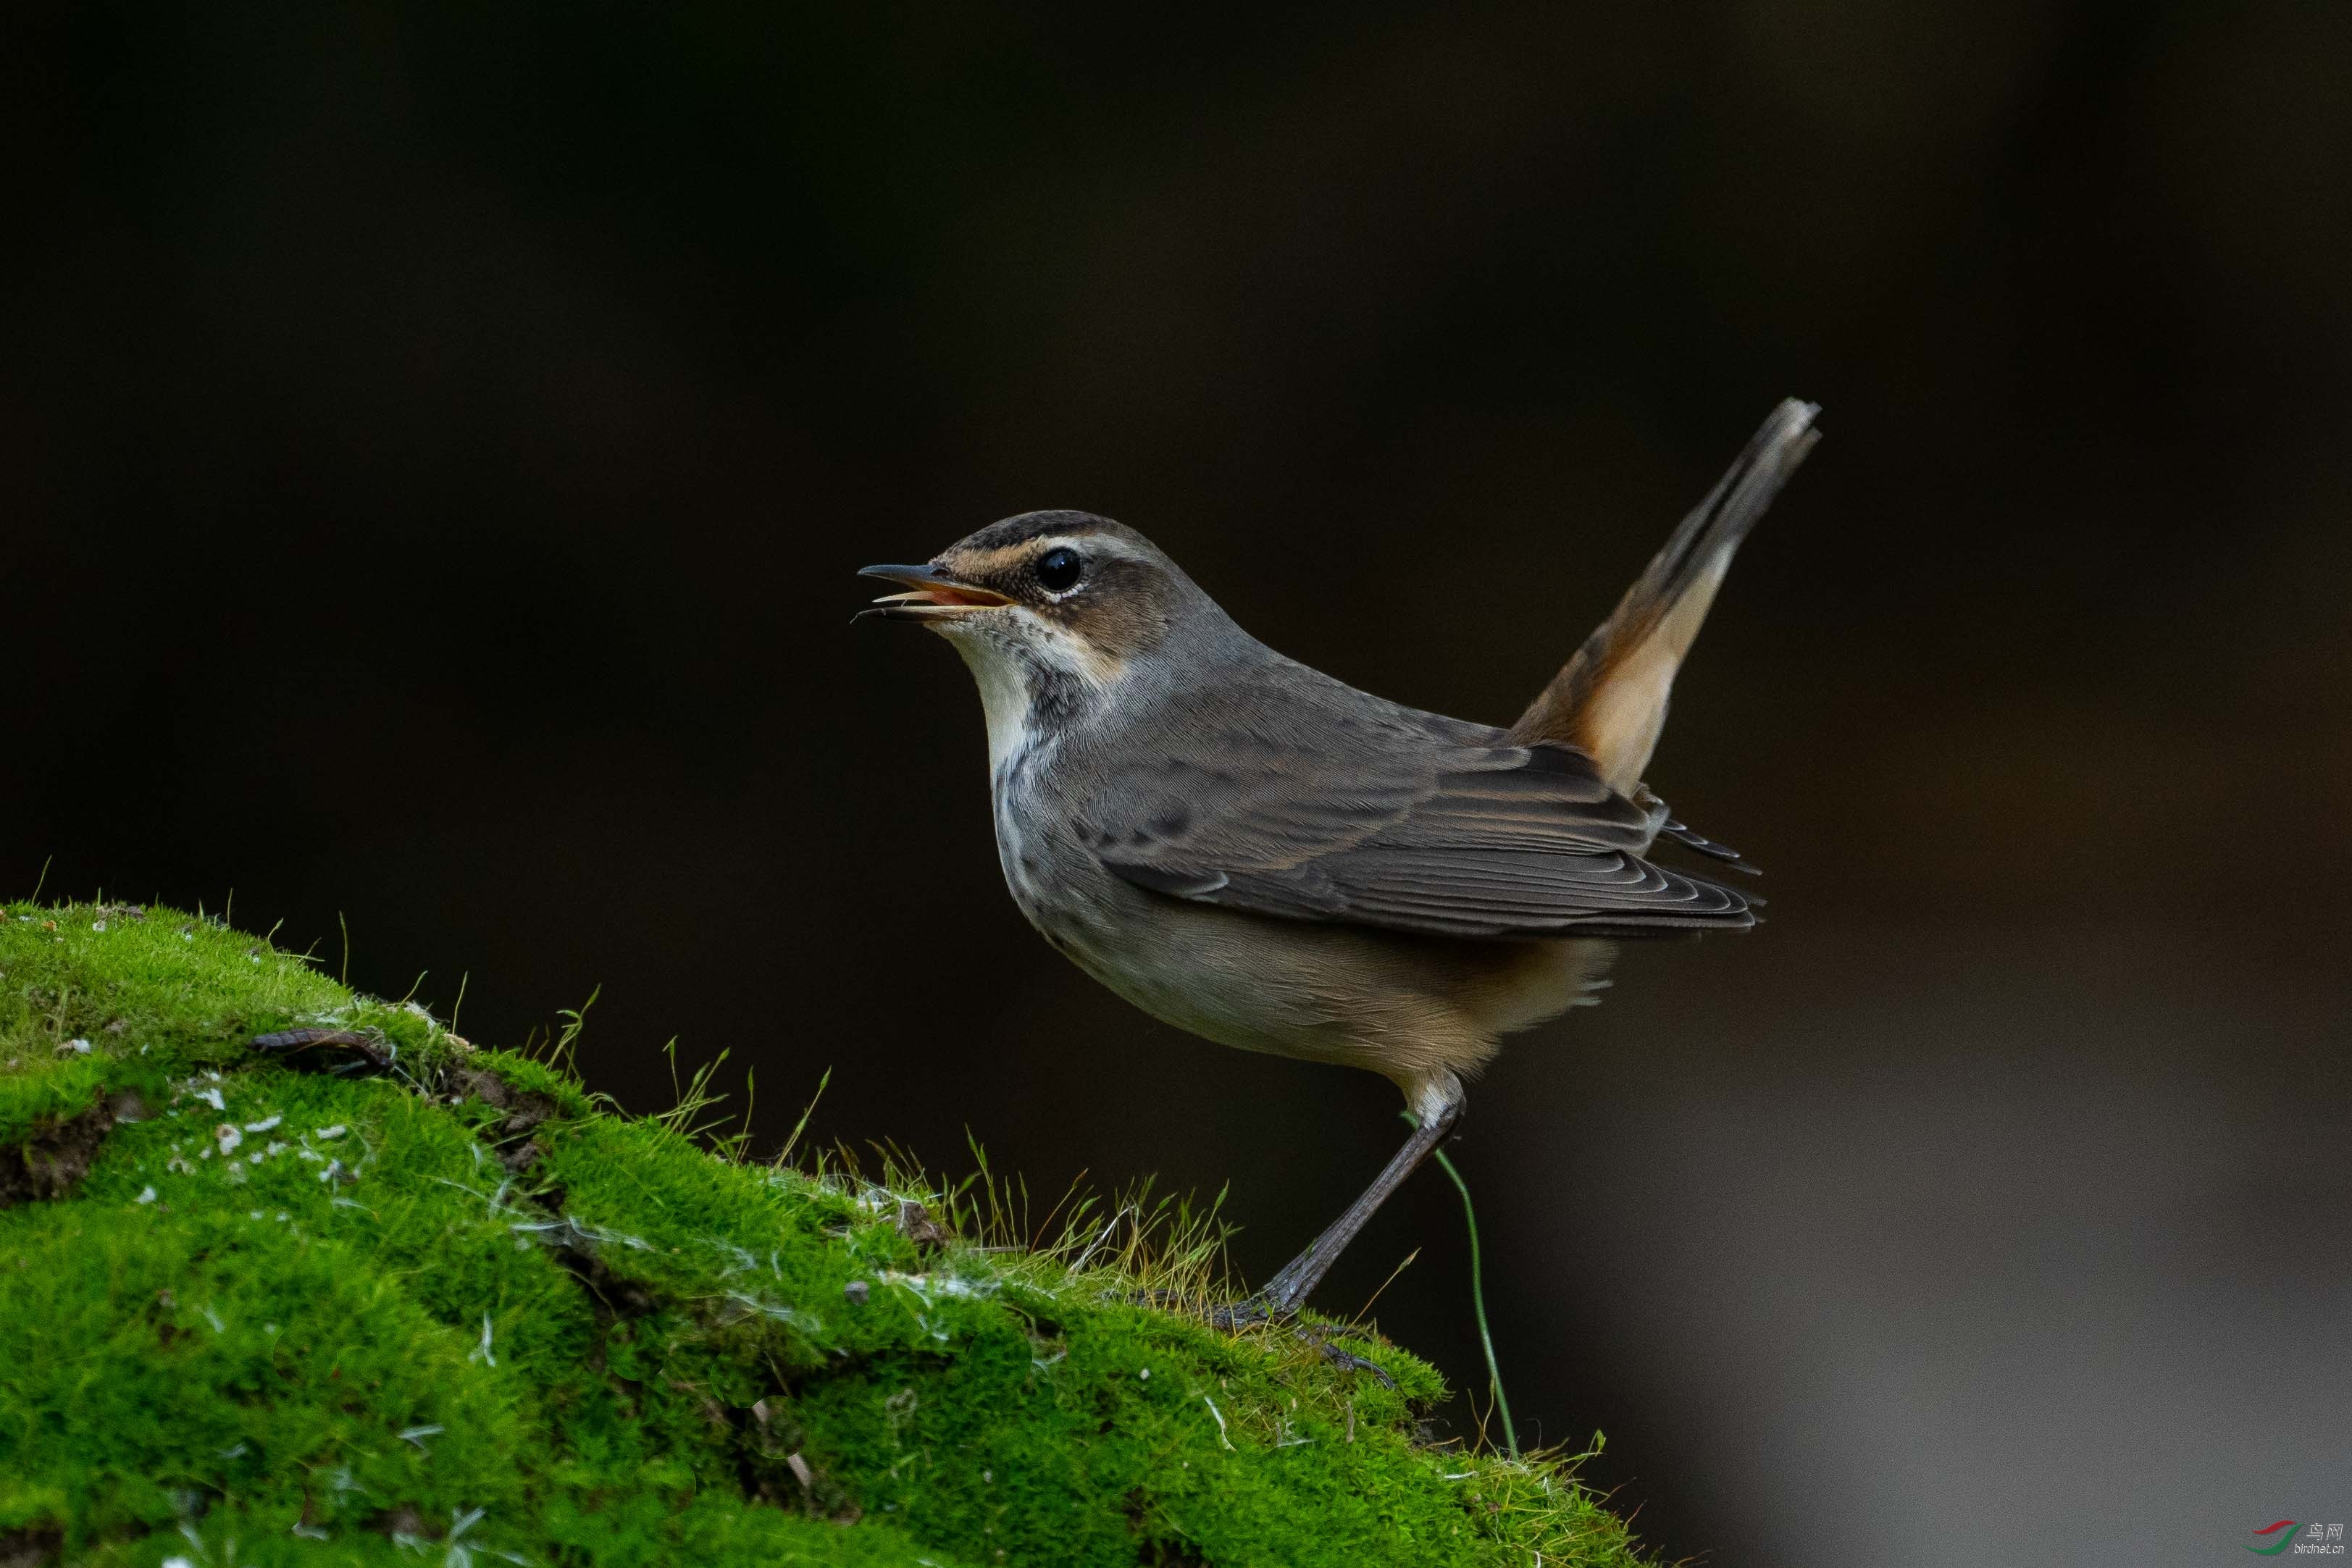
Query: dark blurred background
column 435, row 441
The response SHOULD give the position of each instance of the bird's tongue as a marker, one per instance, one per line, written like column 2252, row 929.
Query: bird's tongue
column 945, row 595
column 940, row 596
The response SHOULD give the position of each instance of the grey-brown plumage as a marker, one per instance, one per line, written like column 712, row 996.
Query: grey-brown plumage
column 1261, row 855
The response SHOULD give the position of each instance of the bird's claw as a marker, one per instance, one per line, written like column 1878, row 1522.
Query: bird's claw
column 1232, row 1315
column 1319, row 1336
column 1348, row 1361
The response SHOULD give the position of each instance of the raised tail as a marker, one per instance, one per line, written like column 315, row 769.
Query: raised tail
column 1610, row 700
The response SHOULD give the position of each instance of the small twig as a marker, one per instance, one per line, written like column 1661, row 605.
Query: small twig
column 294, row 1043
column 1366, row 1310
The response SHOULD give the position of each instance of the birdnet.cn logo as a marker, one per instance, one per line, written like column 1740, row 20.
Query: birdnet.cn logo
column 2287, row 1536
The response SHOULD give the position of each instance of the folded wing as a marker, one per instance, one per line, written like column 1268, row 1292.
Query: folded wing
column 1428, row 825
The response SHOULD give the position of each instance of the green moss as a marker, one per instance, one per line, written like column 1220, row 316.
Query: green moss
column 463, row 1309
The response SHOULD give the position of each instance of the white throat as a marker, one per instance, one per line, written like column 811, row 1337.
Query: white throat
column 1025, row 666
column 1003, row 697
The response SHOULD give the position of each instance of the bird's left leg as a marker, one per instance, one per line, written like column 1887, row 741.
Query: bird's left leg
column 1437, row 1105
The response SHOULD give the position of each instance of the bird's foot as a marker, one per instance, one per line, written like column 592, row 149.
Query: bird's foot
column 1319, row 1336
column 1231, row 1316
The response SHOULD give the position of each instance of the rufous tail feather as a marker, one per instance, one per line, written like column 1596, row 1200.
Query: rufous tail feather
column 1610, row 699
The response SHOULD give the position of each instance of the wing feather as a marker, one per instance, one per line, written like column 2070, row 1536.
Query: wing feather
column 1414, row 823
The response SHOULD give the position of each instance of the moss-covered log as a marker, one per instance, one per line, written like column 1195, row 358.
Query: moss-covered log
column 381, row 1294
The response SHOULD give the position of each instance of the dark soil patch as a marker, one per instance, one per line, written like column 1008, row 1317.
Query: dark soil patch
column 50, row 1162
column 30, row 1548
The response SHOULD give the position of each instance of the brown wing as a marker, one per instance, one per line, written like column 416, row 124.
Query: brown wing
column 1407, row 822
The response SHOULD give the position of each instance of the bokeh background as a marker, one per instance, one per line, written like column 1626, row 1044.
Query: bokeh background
column 436, row 440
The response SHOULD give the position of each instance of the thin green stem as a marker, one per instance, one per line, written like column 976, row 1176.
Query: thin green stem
column 1478, row 1298
column 1478, row 1303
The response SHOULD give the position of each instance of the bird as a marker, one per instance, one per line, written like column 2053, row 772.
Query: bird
column 1261, row 855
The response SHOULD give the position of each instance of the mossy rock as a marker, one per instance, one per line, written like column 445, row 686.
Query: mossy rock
column 392, row 1297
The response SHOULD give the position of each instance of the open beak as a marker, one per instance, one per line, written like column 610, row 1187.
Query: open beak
column 934, row 596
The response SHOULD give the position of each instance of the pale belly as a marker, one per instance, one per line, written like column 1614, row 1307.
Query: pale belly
column 1408, row 1007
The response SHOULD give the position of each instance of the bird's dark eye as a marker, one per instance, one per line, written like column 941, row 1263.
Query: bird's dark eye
column 1058, row 568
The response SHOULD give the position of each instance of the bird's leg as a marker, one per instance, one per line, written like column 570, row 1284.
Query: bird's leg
column 1438, row 1109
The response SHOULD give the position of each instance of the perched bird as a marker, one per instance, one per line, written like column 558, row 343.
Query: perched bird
column 1261, row 855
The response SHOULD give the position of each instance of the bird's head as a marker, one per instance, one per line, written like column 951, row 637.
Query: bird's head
column 1049, row 609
